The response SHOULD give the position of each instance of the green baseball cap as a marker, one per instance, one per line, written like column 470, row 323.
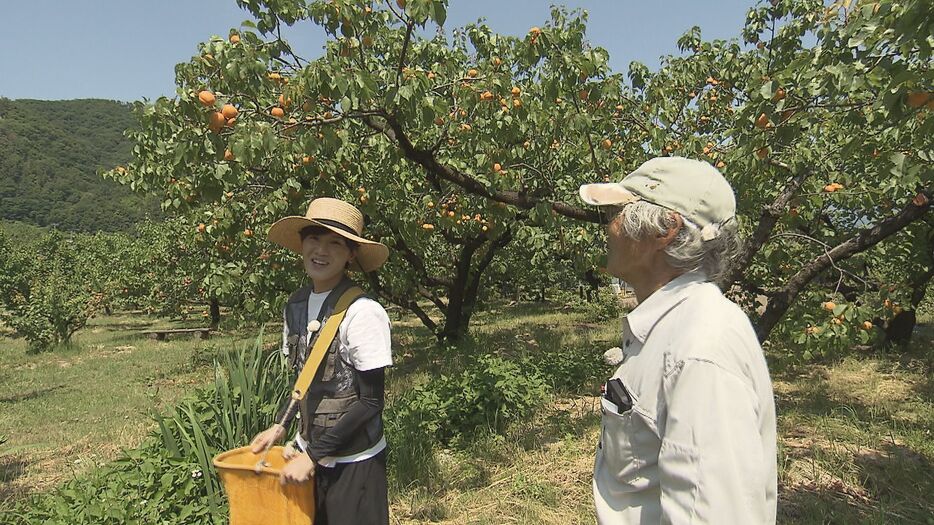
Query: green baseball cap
column 694, row 189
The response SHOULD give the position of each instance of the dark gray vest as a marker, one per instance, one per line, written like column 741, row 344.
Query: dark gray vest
column 335, row 386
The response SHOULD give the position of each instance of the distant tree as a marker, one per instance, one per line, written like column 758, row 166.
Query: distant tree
column 45, row 293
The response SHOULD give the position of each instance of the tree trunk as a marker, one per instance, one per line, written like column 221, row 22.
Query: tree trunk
column 215, row 313
column 462, row 296
column 899, row 329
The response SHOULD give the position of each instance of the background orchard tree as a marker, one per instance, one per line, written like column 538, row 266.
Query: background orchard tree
column 46, row 293
column 826, row 144
column 256, row 132
column 506, row 129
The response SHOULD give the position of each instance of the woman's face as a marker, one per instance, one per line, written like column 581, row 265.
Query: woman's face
column 326, row 256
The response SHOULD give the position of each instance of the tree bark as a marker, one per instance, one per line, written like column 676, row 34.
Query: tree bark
column 215, row 313
column 767, row 221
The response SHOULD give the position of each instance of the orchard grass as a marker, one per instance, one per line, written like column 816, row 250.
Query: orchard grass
column 66, row 410
column 856, row 444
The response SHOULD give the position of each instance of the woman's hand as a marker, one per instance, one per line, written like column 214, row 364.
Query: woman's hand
column 266, row 438
column 290, row 451
column 300, row 469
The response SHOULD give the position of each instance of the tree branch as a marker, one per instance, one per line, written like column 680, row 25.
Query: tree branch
column 767, row 221
column 865, row 239
column 393, row 130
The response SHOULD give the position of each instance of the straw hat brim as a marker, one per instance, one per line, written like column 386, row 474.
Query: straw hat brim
column 286, row 233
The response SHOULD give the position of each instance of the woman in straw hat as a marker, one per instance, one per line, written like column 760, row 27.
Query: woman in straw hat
column 340, row 441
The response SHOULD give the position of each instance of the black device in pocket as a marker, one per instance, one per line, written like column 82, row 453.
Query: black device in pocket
column 617, row 394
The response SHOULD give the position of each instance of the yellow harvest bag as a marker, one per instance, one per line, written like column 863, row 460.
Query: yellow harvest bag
column 258, row 498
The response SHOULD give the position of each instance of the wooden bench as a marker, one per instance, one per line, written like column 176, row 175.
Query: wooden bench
column 161, row 335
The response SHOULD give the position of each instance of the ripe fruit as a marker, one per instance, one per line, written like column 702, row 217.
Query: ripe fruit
column 307, row 159
column 516, row 91
column 234, row 38
column 535, row 32
column 836, row 320
column 401, row 4
column 201, row 227
column 428, row 226
column 779, row 94
column 721, row 165
column 277, row 112
column 216, row 122
column 275, row 77
column 450, row 214
column 762, row 153
column 607, row 143
column 472, row 73
column 712, row 81
column 207, row 98
column 229, row 111
column 829, row 306
column 228, row 155
column 832, row 187
column 497, row 167
column 486, row 95
column 763, row 121
column 813, row 330
column 516, row 103
column 439, row 121
column 918, row 99
column 867, row 325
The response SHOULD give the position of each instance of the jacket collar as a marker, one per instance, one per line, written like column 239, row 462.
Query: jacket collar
column 643, row 318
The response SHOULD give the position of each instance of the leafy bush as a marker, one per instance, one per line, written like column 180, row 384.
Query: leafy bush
column 605, row 306
column 490, row 392
column 574, row 369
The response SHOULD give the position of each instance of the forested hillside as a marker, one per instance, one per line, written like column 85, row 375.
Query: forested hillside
column 50, row 155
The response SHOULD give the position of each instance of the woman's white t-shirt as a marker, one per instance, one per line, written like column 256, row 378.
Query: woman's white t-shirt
column 365, row 342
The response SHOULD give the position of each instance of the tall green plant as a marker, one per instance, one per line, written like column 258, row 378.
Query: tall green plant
column 247, row 386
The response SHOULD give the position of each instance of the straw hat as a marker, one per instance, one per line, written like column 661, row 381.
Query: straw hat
column 341, row 218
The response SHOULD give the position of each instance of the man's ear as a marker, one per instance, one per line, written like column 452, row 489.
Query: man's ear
column 666, row 238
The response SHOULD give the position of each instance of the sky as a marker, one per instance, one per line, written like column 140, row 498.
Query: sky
column 127, row 49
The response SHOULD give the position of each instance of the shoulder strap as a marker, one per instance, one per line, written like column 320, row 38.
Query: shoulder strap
column 323, row 341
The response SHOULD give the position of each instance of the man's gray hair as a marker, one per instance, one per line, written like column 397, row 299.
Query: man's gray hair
column 688, row 251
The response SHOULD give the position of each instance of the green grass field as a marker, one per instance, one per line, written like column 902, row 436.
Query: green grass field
column 856, row 443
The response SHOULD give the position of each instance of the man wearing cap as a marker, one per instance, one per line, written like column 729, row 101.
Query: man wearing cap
column 340, row 441
column 688, row 426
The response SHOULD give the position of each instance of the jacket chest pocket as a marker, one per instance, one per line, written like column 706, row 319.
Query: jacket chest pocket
column 629, row 444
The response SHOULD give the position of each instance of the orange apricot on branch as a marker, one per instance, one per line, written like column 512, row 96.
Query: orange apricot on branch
column 207, row 98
